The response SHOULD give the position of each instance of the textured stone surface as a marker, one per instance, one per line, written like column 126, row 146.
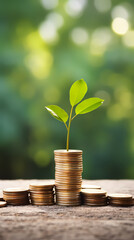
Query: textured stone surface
column 69, row 223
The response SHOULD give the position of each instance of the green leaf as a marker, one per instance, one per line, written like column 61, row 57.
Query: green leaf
column 57, row 113
column 77, row 91
column 88, row 105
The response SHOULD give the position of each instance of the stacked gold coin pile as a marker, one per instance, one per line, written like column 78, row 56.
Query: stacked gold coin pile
column 94, row 197
column 120, row 199
column 16, row 196
column 42, row 194
column 68, row 179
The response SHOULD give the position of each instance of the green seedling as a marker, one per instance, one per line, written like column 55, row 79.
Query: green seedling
column 77, row 93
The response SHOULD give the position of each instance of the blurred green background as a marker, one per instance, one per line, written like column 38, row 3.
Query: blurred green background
column 46, row 45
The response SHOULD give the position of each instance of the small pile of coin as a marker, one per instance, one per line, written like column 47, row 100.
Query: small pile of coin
column 120, row 199
column 42, row 194
column 94, row 197
column 68, row 177
column 16, row 196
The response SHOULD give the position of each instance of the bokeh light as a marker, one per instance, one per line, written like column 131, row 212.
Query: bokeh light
column 75, row 7
column 79, row 36
column 100, row 39
column 102, row 5
column 120, row 25
column 120, row 11
column 128, row 39
column 48, row 31
column 39, row 63
column 49, row 4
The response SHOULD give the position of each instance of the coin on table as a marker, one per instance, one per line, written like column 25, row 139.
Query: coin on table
column 119, row 199
column 3, row 204
column 16, row 196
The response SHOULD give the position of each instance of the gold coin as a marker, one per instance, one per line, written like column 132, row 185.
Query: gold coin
column 96, row 204
column 86, row 186
column 41, row 186
column 94, row 201
column 68, row 204
column 42, row 203
column 41, row 199
column 64, row 151
column 18, row 203
column 121, row 202
column 14, row 196
column 41, row 192
column 120, row 196
column 3, row 204
column 93, row 192
column 15, row 190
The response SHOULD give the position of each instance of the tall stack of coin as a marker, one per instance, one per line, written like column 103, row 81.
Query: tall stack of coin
column 68, row 177
column 16, row 196
column 42, row 194
column 120, row 199
column 94, row 197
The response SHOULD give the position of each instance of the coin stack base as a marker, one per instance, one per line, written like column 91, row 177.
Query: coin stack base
column 42, row 194
column 124, row 200
column 16, row 196
column 68, row 177
column 94, row 197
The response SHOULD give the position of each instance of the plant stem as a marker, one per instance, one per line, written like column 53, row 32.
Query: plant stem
column 73, row 117
column 68, row 129
column 66, row 126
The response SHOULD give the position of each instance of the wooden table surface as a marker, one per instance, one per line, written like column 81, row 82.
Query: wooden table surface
column 69, row 223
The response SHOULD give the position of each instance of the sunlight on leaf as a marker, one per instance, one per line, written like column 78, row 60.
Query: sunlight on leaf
column 88, row 105
column 57, row 113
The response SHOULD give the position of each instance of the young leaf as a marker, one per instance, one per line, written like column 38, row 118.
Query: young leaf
column 88, row 105
column 57, row 113
column 77, row 91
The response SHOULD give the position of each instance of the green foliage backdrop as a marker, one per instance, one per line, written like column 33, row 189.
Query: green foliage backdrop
column 44, row 47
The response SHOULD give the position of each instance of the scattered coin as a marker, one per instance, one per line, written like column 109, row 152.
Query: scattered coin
column 3, row 204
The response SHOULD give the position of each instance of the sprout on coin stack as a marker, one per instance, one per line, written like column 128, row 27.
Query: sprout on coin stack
column 69, row 162
column 94, row 197
column 118, row 199
column 42, row 194
column 16, row 196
